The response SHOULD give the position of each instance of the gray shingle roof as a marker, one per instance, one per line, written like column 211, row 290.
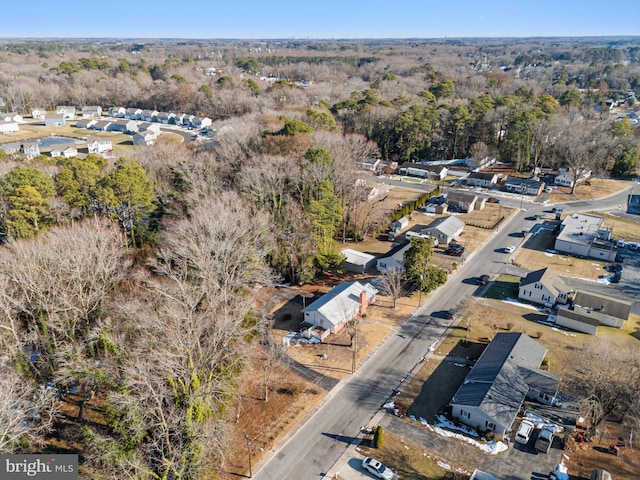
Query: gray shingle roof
column 447, row 225
column 548, row 278
column 495, row 383
column 605, row 305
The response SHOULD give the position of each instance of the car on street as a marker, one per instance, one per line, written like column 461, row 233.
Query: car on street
column 377, row 468
column 482, row 280
column 524, row 432
column 510, row 249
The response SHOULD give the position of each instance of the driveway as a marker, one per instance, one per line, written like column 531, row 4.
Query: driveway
column 517, row 463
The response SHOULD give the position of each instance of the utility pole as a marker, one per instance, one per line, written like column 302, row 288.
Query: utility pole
column 355, row 350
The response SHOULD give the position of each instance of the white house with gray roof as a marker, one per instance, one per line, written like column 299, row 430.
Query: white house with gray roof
column 590, row 310
column 445, row 229
column 342, row 303
column 507, row 372
column 393, row 260
column 544, row 287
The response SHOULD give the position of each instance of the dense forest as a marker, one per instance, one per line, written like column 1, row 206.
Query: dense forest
column 130, row 279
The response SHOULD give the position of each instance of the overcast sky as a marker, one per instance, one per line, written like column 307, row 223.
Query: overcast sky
column 303, row 19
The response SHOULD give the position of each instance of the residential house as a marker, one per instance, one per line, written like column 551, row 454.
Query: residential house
column 526, row 186
column 477, row 165
column 164, row 117
column 66, row 110
column 11, row 117
column 393, row 260
column 177, row 118
column 124, row 126
column 507, row 372
column 38, row 113
column 462, row 201
column 9, row 127
column 370, row 165
column 201, row 122
column 445, row 229
column 102, row 125
column 91, row 111
column 149, row 127
column 434, row 172
column 585, row 235
column 117, row 112
column 187, row 120
column 357, row 262
column 339, row 305
column 544, row 287
column 58, row 120
column 133, row 113
column 144, row 138
column 590, row 310
column 565, row 177
column 86, row 123
column 99, row 145
column 480, row 179
column 30, row 149
column 148, row 115
column 67, row 150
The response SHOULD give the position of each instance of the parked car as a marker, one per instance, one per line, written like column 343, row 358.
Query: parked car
column 493, row 200
column 482, row 280
column 377, row 468
column 545, row 439
column 510, row 249
column 524, row 432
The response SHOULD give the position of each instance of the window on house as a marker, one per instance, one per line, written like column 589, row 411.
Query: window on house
column 489, row 425
column 465, row 414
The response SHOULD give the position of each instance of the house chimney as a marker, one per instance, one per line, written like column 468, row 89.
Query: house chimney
column 363, row 303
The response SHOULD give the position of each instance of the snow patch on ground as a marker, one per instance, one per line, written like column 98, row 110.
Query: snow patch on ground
column 518, row 303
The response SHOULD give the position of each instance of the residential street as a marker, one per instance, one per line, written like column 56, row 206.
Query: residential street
column 311, row 451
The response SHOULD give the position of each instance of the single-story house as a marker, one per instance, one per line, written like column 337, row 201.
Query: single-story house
column 339, row 305
column 480, row 164
column 357, row 262
column 99, row 145
column 445, row 229
column 200, row 122
column 38, row 113
column 435, row 172
column 496, row 386
column 393, row 260
column 102, row 125
column 565, row 178
column 58, row 120
column 86, row 123
column 370, row 165
column 66, row 110
column 11, row 117
column 133, row 113
column 9, row 127
column 462, row 201
column 91, row 111
column 526, row 186
column 117, row 112
column 589, row 310
column 30, row 149
column 480, row 179
column 124, row 126
column 177, row 119
column 64, row 150
column 544, row 287
column 586, row 235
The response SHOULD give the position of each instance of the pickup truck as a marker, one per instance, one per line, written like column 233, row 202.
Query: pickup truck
column 545, row 439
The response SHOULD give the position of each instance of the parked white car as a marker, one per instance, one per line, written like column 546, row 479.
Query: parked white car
column 510, row 249
column 377, row 468
column 524, row 432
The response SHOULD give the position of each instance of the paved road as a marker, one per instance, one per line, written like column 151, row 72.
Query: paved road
column 314, row 448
